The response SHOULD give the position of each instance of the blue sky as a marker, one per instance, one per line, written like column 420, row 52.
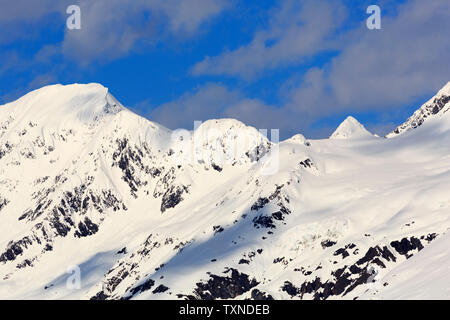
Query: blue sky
column 300, row 66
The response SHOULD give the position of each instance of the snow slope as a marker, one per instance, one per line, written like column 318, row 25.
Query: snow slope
column 143, row 212
column 424, row 276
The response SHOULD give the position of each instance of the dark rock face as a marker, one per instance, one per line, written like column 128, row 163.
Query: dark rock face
column 406, row 245
column 3, row 203
column 347, row 278
column 341, row 252
column 110, row 284
column 327, row 243
column 258, row 152
column 307, row 163
column 258, row 295
column 419, row 117
column 322, row 290
column 290, row 289
column 172, row 197
column 147, row 285
column 268, row 221
column 122, row 251
column 100, row 296
column 160, row 289
column 172, row 194
column 59, row 214
column 79, row 200
column 344, row 251
column 4, row 151
column 224, row 287
column 376, row 252
column 218, row 229
column 86, row 228
column 263, row 221
column 15, row 249
column 129, row 159
column 259, row 204
column 430, row 237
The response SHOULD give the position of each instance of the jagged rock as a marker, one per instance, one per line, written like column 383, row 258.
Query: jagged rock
column 225, row 287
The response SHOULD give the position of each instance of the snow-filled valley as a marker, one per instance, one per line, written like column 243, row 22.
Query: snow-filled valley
column 143, row 212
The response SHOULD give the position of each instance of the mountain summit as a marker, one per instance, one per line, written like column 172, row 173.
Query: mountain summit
column 57, row 105
column 350, row 128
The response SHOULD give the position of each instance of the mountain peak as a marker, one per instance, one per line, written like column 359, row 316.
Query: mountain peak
column 437, row 106
column 298, row 139
column 350, row 128
column 228, row 129
column 56, row 104
column 221, row 124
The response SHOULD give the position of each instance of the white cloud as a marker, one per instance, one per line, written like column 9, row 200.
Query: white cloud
column 22, row 19
column 109, row 28
column 391, row 67
column 373, row 70
column 298, row 30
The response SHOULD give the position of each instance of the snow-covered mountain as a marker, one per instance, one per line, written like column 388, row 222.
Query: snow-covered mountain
column 138, row 211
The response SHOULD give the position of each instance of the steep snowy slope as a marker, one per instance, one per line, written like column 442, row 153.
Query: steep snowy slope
column 146, row 213
column 424, row 276
column 434, row 108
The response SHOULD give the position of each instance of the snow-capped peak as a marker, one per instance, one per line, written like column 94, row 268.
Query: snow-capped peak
column 350, row 128
column 437, row 106
column 298, row 139
column 55, row 105
column 227, row 128
column 230, row 139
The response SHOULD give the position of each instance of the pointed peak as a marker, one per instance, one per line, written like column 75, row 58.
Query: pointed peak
column 351, row 120
column 350, row 128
